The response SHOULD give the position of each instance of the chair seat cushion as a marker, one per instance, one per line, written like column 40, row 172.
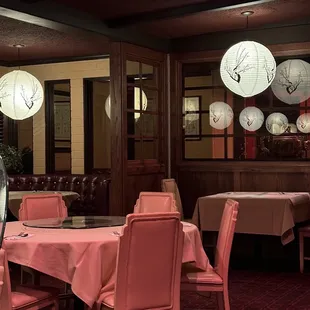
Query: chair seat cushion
column 28, row 295
column 108, row 301
column 204, row 277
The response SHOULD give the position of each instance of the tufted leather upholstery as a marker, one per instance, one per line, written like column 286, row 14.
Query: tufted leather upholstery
column 93, row 190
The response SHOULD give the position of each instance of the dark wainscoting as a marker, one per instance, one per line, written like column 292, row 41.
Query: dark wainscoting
column 142, row 178
column 196, row 179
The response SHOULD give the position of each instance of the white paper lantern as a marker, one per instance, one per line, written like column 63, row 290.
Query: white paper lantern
column 276, row 123
column 251, row 118
column 292, row 82
column 247, row 68
column 291, row 128
column 303, row 123
column 221, row 115
column 136, row 103
column 21, row 95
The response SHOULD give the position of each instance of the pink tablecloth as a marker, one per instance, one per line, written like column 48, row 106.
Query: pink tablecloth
column 84, row 258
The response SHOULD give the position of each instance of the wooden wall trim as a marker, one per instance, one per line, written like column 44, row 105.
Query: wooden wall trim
column 118, row 164
column 245, row 166
column 290, row 49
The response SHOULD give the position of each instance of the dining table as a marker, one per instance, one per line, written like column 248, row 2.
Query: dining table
column 16, row 197
column 260, row 213
column 82, row 251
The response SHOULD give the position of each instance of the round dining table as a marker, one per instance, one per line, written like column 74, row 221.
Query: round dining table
column 82, row 251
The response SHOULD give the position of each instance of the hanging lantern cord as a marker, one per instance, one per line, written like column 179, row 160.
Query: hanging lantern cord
column 18, row 57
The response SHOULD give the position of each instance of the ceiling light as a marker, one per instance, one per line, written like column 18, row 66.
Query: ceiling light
column 21, row 95
column 247, row 13
column 251, row 118
column 136, row 103
column 276, row 123
column 18, row 45
column 303, row 123
column 247, row 68
column 292, row 81
column 221, row 115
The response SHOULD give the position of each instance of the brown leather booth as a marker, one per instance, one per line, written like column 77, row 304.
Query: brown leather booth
column 93, row 190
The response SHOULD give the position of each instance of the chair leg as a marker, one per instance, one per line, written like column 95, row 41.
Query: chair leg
column 226, row 298
column 220, row 300
column 301, row 252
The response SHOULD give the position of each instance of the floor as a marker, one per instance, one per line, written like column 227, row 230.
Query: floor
column 249, row 290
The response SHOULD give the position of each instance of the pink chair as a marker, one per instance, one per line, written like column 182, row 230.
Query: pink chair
column 216, row 280
column 40, row 206
column 36, row 206
column 25, row 297
column 149, row 263
column 149, row 202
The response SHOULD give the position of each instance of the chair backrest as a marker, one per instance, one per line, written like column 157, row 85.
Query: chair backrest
column 225, row 238
column 170, row 186
column 149, row 202
column 149, row 262
column 42, row 206
column 3, row 199
column 5, row 283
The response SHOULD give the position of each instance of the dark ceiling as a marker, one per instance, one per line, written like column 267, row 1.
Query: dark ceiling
column 42, row 43
column 183, row 18
column 276, row 12
column 54, row 29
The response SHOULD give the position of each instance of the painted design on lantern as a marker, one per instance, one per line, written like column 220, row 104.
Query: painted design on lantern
column 303, row 123
column 35, row 96
column 285, row 81
column 251, row 118
column 221, row 115
column 3, row 85
column 270, row 72
column 239, row 68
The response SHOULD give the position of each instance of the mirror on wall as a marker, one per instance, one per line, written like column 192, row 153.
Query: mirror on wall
column 58, row 126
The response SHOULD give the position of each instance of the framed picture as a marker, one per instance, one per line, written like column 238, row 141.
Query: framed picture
column 192, row 119
column 62, row 121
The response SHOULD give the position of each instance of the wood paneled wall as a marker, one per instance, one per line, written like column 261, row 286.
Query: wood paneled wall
column 196, row 179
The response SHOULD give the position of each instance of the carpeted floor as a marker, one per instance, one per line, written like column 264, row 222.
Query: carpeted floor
column 259, row 291
column 249, row 290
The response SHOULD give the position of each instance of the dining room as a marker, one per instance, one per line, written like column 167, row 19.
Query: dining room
column 155, row 155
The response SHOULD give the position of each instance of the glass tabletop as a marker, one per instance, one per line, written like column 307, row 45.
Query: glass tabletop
column 77, row 222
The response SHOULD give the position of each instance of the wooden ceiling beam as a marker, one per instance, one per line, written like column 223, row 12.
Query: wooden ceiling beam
column 63, row 19
column 211, row 5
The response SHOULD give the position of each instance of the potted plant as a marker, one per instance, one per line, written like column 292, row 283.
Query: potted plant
column 12, row 159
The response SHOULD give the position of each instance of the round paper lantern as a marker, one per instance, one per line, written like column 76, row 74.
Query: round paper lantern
column 292, row 81
column 291, row 128
column 221, row 115
column 251, row 118
column 303, row 123
column 247, row 68
column 276, row 123
column 21, row 95
column 136, row 104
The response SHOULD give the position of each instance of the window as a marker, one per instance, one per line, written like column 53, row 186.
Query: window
column 142, row 111
column 202, row 85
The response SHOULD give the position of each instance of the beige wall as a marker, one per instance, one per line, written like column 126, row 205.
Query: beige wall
column 75, row 72
column 102, row 128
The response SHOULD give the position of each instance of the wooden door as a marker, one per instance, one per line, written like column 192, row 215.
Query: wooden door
column 139, row 124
